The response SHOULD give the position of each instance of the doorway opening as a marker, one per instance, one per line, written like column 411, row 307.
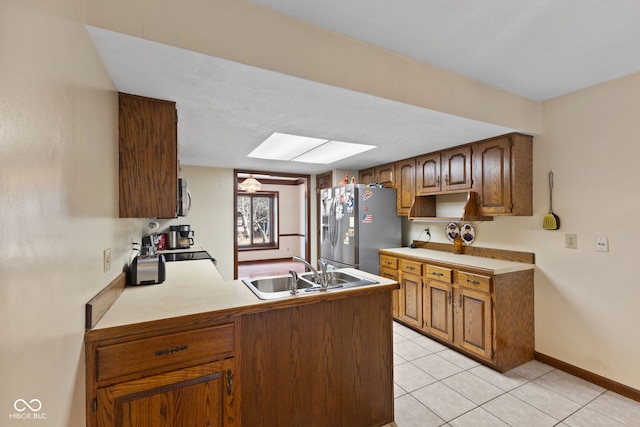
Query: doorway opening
column 272, row 223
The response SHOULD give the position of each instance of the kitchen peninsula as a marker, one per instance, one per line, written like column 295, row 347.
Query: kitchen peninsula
column 206, row 351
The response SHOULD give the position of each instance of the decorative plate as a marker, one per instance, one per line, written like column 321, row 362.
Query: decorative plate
column 468, row 233
column 452, row 231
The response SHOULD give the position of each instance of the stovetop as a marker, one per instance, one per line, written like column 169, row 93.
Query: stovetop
column 187, row 256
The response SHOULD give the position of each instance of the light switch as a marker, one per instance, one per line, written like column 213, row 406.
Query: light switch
column 602, row 244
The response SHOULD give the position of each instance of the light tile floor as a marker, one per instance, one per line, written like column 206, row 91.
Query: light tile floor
column 436, row 386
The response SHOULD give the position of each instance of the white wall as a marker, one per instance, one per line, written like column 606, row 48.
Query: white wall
column 211, row 216
column 586, row 302
column 58, row 204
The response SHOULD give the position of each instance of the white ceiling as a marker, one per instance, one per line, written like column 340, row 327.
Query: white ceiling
column 537, row 49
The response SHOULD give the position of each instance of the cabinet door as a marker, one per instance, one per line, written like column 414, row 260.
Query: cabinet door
column 438, row 310
column 411, row 299
column 473, row 322
column 392, row 274
column 196, row 396
column 492, row 176
column 405, row 185
column 428, row 174
column 456, row 169
column 148, row 153
column 367, row 176
column 385, row 175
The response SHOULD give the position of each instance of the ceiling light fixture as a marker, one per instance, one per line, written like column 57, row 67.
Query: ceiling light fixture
column 250, row 185
column 282, row 146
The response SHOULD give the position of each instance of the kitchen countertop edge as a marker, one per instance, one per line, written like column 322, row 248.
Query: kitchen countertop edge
column 483, row 264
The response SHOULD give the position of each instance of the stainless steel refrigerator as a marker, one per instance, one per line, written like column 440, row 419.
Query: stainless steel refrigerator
column 357, row 221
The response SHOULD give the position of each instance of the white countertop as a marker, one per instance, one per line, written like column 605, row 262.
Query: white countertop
column 191, row 287
column 495, row 266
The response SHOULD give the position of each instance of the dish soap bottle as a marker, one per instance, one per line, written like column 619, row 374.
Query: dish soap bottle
column 457, row 245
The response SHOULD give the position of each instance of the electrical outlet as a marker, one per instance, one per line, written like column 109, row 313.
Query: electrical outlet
column 426, row 230
column 571, row 241
column 602, row 244
column 106, row 260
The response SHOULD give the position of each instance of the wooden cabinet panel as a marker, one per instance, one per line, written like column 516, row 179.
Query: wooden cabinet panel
column 171, row 350
column 456, row 169
column 382, row 174
column 367, row 176
column 473, row 322
column 428, row 174
column 438, row 313
column 389, row 270
column 322, row 364
column 411, row 267
column 503, row 174
column 474, row 281
column 405, row 185
column 386, row 174
column 388, row 262
column 148, row 153
column 196, row 396
column 411, row 299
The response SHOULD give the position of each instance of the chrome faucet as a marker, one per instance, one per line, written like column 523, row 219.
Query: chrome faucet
column 294, row 282
column 320, row 279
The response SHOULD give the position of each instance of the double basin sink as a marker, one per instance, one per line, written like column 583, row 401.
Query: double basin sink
column 273, row 287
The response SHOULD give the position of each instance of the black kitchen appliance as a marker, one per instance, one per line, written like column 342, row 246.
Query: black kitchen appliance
column 187, row 256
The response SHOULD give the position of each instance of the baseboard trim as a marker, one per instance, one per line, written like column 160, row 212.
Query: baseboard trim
column 614, row 386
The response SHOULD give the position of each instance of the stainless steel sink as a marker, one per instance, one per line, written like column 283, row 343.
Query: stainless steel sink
column 274, row 287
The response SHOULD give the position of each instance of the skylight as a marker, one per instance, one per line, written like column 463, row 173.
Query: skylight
column 282, row 146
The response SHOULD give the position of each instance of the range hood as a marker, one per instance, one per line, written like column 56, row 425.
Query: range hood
column 461, row 206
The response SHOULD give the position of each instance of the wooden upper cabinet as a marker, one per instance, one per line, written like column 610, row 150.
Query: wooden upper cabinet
column 503, row 174
column 444, row 171
column 405, row 185
column 148, row 153
column 456, row 168
column 386, row 174
column 428, row 174
column 324, row 180
column 382, row 174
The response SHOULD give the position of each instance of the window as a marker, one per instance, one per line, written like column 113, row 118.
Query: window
column 256, row 220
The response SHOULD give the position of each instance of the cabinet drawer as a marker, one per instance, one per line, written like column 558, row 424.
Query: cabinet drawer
column 440, row 274
column 389, row 273
column 171, row 350
column 413, row 267
column 474, row 281
column 388, row 262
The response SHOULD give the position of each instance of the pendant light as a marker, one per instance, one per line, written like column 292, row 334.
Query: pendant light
column 250, row 185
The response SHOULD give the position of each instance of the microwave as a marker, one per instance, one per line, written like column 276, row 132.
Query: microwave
column 184, row 198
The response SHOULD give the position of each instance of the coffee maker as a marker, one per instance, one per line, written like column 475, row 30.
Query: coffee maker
column 185, row 236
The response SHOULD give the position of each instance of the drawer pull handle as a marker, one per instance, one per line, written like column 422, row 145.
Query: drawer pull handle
column 172, row 350
column 473, row 282
column 410, row 267
column 435, row 273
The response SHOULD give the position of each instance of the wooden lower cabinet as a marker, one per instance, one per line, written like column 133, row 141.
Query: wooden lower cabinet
column 389, row 270
column 473, row 330
column 489, row 317
column 197, row 396
column 143, row 378
column 410, row 274
column 438, row 310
